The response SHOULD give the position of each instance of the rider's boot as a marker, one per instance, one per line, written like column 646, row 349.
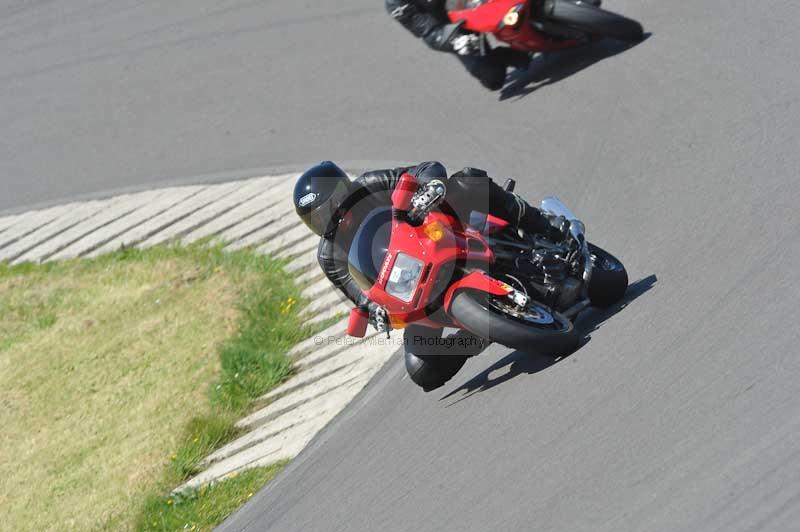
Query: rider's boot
column 471, row 189
column 531, row 220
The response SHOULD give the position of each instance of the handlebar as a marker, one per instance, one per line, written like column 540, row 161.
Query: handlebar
column 412, row 201
column 357, row 325
column 426, row 199
column 404, row 192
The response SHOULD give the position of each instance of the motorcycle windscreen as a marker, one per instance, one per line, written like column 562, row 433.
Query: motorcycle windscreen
column 553, row 205
column 369, row 247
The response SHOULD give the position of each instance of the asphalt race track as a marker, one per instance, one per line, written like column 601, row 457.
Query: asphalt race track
column 681, row 412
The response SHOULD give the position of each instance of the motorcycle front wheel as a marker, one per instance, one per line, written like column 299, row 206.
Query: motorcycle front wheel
column 536, row 328
column 593, row 20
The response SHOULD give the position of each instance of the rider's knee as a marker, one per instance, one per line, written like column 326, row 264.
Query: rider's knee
column 430, row 170
column 430, row 372
column 491, row 74
column 422, row 372
column 428, row 362
column 469, row 190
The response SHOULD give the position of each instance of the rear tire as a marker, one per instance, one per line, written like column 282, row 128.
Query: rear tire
column 478, row 313
column 609, row 278
column 593, row 20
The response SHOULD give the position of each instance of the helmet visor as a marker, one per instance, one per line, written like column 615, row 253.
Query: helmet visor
column 322, row 220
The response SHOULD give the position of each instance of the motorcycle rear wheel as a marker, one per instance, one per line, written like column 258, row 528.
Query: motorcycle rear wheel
column 609, row 278
column 535, row 329
column 593, row 20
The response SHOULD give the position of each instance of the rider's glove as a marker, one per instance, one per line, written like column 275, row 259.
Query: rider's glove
column 378, row 317
column 468, row 44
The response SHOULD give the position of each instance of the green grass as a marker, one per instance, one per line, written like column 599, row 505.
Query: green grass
column 119, row 374
column 202, row 509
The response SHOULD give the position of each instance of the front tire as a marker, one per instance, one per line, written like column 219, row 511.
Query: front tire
column 536, row 329
column 609, row 278
column 593, row 20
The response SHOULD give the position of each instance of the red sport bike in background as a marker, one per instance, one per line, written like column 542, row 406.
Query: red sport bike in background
column 542, row 25
column 425, row 267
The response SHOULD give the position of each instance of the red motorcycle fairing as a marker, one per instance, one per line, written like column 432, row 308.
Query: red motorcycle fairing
column 491, row 17
column 476, row 281
column 458, row 244
column 486, row 17
column 487, row 224
column 494, row 225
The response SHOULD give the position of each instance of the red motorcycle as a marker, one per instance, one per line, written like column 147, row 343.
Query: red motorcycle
column 542, row 25
column 425, row 267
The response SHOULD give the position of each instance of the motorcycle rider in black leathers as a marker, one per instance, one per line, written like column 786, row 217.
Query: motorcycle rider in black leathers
column 333, row 207
column 428, row 20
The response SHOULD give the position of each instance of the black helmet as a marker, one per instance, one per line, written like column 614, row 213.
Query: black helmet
column 318, row 194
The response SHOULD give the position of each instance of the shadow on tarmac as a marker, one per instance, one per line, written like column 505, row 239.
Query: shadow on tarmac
column 519, row 363
column 546, row 69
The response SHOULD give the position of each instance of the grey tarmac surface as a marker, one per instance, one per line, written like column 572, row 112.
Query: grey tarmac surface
column 681, row 412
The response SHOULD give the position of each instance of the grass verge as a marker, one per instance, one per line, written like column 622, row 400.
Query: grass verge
column 202, row 509
column 105, row 367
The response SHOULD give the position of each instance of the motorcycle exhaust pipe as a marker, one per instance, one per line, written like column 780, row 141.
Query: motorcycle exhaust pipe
column 575, row 309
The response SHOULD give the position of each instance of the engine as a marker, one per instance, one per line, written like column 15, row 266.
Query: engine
column 550, row 275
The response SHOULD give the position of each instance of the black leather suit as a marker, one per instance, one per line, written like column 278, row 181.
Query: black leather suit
column 428, row 21
column 468, row 190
